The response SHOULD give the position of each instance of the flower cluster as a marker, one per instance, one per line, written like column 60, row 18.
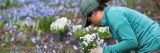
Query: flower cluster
column 77, row 27
column 103, row 32
column 78, row 31
column 90, row 41
column 60, row 25
column 103, row 29
column 91, row 37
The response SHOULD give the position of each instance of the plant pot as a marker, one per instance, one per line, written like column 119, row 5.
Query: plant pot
column 59, row 36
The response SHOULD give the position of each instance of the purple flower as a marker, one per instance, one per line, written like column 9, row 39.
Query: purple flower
column 76, row 11
column 10, row 31
column 1, row 18
column 104, row 44
column 51, row 41
column 55, row 47
column 62, row 14
column 14, row 26
column 124, row 3
column 33, row 40
column 19, row 34
column 69, row 33
column 67, row 42
column 28, row 18
column 115, row 2
column 55, row 1
column 38, row 47
column 60, row 46
column 74, row 3
column 6, row 26
column 61, row 7
column 45, row 46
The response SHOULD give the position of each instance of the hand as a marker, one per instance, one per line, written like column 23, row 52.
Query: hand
column 96, row 50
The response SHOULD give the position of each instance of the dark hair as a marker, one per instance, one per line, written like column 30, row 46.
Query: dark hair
column 101, row 7
column 102, row 4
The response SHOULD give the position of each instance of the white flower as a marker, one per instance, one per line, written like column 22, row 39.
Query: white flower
column 87, row 29
column 88, row 38
column 103, row 29
column 76, row 27
column 80, row 37
column 94, row 39
column 85, row 43
column 75, row 47
column 82, row 48
column 45, row 46
column 54, row 51
column 94, row 44
column 95, row 28
column 100, row 41
column 60, row 24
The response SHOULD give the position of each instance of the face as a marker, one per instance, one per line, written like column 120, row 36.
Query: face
column 96, row 17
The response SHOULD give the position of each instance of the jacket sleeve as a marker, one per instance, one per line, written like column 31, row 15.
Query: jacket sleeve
column 122, row 27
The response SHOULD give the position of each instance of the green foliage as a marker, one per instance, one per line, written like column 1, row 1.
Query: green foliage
column 1, row 24
column 79, row 33
column 7, row 3
column 2, row 45
column 29, row 43
column 131, row 3
column 104, row 35
column 7, row 37
column 43, row 23
column 86, row 48
column 22, row 37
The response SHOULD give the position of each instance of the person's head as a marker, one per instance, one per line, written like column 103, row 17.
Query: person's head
column 92, row 11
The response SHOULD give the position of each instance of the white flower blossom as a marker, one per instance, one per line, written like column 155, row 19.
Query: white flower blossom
column 95, row 39
column 76, row 27
column 60, row 24
column 103, row 29
column 88, row 38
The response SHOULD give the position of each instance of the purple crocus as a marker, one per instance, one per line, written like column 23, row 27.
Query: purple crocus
column 60, row 46
column 33, row 40
column 67, row 42
column 6, row 26
column 124, row 3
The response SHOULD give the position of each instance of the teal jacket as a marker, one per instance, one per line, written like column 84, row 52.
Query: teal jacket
column 134, row 31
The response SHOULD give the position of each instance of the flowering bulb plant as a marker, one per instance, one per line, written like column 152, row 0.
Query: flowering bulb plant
column 103, row 32
column 60, row 25
column 91, row 37
column 78, row 31
column 90, row 41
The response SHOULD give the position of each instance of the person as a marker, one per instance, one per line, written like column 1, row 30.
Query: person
column 134, row 30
